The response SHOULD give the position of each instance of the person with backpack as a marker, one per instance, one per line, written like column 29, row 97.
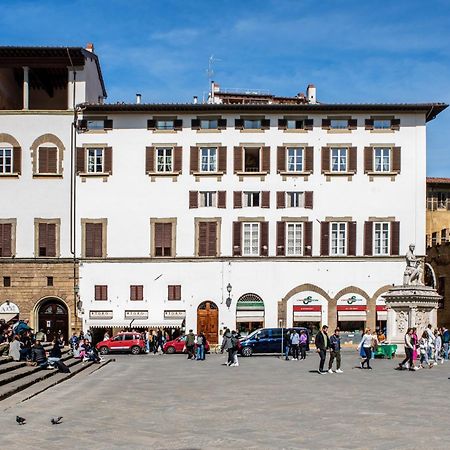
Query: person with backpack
column 295, row 342
column 201, row 341
column 227, row 345
column 190, row 344
column 368, row 342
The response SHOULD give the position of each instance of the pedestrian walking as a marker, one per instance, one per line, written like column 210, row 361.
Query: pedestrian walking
column 227, row 345
column 287, row 344
column 236, row 347
column 430, row 333
column 335, row 352
column 415, row 343
column 322, row 345
column 147, row 341
column 408, row 352
column 295, row 342
column 445, row 341
column 437, row 347
column 423, row 349
column 367, row 343
column 190, row 345
column 201, row 341
column 303, row 344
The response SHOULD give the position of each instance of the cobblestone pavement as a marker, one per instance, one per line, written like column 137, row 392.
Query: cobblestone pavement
column 168, row 402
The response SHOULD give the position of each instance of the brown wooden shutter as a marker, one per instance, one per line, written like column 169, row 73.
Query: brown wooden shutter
column 222, row 124
column 308, row 124
column 52, row 160
column 368, row 159
column 97, row 292
column 238, row 159
column 177, row 292
column 42, row 239
column 42, row 159
column 282, row 124
column 195, row 124
column 281, row 239
column 212, row 239
column 239, row 124
column 265, row 124
column 170, row 292
column 149, row 159
column 133, row 293
column 178, row 124
column 395, row 124
column 104, row 292
column 178, row 159
column 194, row 159
column 167, row 239
column 309, row 197
column 324, row 238
column 108, row 124
column 353, row 159
column 17, row 160
column 140, row 292
column 51, row 239
column 325, row 159
column 281, row 199
column 309, row 159
column 281, row 159
column 326, row 123
column 266, row 159
column 352, row 124
column 81, row 158
column 369, row 124
column 264, row 239
column 237, row 199
column 222, row 159
column 108, row 160
column 203, row 239
column 221, row 199
column 5, row 239
column 151, row 124
column 193, row 199
column 351, row 238
column 307, row 238
column 368, row 238
column 396, row 159
column 395, row 238
column 237, row 238
column 265, row 199
column 98, row 240
column 89, row 240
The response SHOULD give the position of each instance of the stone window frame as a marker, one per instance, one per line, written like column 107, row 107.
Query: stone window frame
column 47, row 138
column 104, row 222
column 56, row 222
column 217, row 220
column 13, row 223
column 6, row 138
column 173, row 221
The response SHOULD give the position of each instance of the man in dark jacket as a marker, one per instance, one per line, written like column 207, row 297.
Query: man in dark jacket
column 228, row 345
column 38, row 355
column 335, row 352
column 322, row 345
column 190, row 344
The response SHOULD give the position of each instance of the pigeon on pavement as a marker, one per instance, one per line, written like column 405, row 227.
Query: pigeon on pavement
column 21, row 420
column 56, row 421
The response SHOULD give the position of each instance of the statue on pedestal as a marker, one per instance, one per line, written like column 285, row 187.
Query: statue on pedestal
column 413, row 274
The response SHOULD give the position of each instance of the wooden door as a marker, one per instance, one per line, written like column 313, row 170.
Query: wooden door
column 53, row 319
column 208, row 321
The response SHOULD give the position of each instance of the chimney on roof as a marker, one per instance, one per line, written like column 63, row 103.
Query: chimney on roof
column 311, row 93
column 138, row 99
column 90, row 47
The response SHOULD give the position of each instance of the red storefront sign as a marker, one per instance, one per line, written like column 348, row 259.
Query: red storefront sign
column 308, row 308
column 381, row 308
column 352, row 308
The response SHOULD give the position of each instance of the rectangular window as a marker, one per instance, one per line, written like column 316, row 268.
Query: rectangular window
column 136, row 292
column 382, row 124
column 6, row 239
column 47, row 160
column 382, row 162
column 164, row 159
column 338, row 238
column 338, row 124
column 163, row 239
column 434, row 237
column 95, row 160
column 6, row 281
column 47, row 239
column 443, row 236
column 209, row 124
column 381, row 238
column 251, row 199
column 295, row 124
column 294, row 239
column 251, row 239
column 252, row 124
column 295, row 199
column 338, row 159
column 101, row 292
column 295, row 159
column 94, row 240
column 207, row 238
column 165, row 124
column 208, row 159
column 208, row 199
column 49, row 281
column 6, row 165
column 95, row 124
column 252, row 159
column 174, row 292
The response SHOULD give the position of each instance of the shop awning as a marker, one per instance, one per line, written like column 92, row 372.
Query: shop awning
column 8, row 316
column 135, row 324
column 381, row 312
column 250, row 316
column 307, row 313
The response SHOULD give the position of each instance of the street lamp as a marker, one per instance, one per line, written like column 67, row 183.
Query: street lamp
column 228, row 300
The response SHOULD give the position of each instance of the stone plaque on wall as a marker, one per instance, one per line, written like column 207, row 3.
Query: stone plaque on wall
column 143, row 314
column 104, row 315
column 174, row 314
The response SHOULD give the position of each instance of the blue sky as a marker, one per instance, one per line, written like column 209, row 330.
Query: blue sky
column 352, row 50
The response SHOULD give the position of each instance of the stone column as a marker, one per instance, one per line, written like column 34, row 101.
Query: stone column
column 26, row 89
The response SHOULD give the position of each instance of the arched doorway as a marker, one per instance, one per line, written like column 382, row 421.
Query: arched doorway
column 208, row 321
column 53, row 318
column 249, row 313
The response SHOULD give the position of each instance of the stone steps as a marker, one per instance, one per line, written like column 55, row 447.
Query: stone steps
column 11, row 365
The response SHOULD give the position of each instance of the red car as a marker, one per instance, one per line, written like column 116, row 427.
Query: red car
column 177, row 345
column 127, row 341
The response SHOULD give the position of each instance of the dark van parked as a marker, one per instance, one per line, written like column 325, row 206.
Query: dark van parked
column 267, row 340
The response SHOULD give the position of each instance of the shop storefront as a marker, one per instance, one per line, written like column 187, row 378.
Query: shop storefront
column 381, row 320
column 9, row 311
column 249, row 313
column 352, row 313
column 309, row 311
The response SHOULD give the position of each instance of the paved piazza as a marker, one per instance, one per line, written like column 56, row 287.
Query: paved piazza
column 168, row 402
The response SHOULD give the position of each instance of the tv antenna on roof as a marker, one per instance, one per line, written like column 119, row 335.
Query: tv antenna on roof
column 210, row 71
